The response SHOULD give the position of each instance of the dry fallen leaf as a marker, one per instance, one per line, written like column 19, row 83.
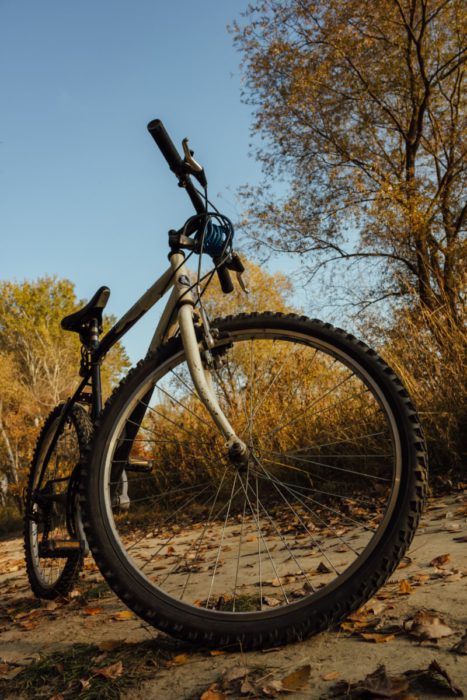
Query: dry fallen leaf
column 461, row 646
column 375, row 685
column 124, row 615
column 404, row 587
column 377, row 638
column 213, row 693
column 216, row 652
column 234, row 673
column 433, row 680
column 297, row 679
column 375, row 607
column 331, row 676
column 93, row 611
column 271, row 688
column 110, row 672
column 439, row 561
column 359, row 620
column 272, row 602
column 427, row 626
column 8, row 672
column 180, row 659
column 322, row 568
column 28, row 624
column 110, row 644
column 404, row 562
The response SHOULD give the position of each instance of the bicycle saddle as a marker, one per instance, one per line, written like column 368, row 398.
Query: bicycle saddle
column 93, row 309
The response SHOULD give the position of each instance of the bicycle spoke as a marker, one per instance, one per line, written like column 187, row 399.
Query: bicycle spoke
column 172, row 515
column 240, row 540
column 208, row 521
column 355, row 499
column 323, row 410
column 297, row 515
column 339, row 442
column 297, row 387
column 165, row 441
column 259, row 547
column 299, row 497
column 336, row 512
column 181, row 556
column 270, row 385
column 319, row 464
column 284, row 542
column 220, row 543
column 179, row 403
column 308, row 408
column 162, row 415
column 187, row 386
column 264, row 542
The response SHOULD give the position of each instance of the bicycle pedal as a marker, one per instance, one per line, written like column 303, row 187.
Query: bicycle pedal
column 58, row 549
column 139, row 466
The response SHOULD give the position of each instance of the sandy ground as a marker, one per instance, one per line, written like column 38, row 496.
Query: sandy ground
column 92, row 614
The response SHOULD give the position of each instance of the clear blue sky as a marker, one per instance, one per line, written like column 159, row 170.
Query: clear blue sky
column 84, row 192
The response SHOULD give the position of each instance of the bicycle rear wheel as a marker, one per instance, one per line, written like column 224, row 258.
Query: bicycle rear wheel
column 52, row 547
column 291, row 542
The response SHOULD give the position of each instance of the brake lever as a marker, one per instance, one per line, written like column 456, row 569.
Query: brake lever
column 241, row 282
column 189, row 157
column 235, row 264
column 195, row 167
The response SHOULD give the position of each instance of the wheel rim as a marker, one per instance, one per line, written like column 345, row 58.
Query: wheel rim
column 298, row 520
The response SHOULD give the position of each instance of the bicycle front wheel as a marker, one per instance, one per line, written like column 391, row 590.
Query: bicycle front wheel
column 287, row 544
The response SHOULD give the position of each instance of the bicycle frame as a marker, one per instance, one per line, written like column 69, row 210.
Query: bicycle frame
column 178, row 313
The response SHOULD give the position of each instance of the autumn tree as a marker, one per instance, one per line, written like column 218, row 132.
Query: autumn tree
column 360, row 107
column 266, row 292
column 38, row 367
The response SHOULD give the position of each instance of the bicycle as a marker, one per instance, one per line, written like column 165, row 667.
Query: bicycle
column 274, row 466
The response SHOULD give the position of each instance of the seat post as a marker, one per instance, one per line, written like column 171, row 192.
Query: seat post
column 96, row 405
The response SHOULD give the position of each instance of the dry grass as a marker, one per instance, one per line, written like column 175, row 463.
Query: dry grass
column 427, row 350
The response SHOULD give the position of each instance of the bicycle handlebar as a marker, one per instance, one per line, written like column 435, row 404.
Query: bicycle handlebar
column 166, row 146
column 179, row 167
column 176, row 164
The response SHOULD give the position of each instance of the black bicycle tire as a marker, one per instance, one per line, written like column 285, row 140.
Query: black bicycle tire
column 330, row 609
column 83, row 426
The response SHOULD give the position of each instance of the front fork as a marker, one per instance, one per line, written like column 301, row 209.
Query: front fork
column 201, row 374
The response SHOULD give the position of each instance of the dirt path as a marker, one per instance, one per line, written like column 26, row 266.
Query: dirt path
column 431, row 579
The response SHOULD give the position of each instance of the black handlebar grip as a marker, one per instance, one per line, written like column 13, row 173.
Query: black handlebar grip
column 166, row 146
column 225, row 279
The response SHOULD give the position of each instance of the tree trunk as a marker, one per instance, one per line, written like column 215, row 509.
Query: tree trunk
column 12, row 468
